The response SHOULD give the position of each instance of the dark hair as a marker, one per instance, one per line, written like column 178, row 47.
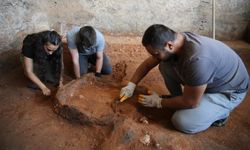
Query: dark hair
column 157, row 35
column 87, row 36
column 51, row 36
column 41, row 57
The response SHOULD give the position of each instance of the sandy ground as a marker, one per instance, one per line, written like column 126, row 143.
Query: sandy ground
column 28, row 121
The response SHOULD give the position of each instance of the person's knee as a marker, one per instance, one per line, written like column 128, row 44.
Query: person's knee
column 185, row 124
column 107, row 70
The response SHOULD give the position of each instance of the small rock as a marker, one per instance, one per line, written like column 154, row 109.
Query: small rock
column 81, row 96
column 144, row 120
column 145, row 140
column 158, row 146
column 128, row 136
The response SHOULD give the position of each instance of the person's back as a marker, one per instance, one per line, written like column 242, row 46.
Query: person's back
column 208, row 61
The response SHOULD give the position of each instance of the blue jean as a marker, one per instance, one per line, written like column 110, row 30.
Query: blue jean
column 84, row 61
column 211, row 107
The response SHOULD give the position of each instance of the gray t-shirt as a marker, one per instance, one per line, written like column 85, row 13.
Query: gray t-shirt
column 208, row 61
column 98, row 47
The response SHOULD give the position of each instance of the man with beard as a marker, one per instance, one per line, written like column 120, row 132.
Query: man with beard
column 213, row 76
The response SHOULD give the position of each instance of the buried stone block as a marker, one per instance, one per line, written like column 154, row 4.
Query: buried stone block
column 87, row 101
column 90, row 100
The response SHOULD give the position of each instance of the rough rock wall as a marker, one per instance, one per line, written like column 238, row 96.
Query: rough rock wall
column 20, row 17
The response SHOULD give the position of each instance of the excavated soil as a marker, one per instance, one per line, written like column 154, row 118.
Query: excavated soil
column 85, row 114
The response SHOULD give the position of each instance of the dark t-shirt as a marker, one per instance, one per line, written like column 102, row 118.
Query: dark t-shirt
column 32, row 43
column 29, row 45
column 208, row 61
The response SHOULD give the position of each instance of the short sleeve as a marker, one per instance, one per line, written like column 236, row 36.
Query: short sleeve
column 100, row 41
column 199, row 72
column 27, row 48
column 71, row 38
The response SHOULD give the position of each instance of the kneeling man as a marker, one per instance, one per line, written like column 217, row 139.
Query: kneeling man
column 86, row 45
column 214, row 78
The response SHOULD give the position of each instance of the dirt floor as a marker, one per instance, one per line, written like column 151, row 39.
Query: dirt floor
column 28, row 119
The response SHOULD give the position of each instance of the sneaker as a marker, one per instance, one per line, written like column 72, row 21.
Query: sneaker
column 220, row 123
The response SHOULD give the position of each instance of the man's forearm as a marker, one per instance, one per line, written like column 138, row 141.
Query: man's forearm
column 140, row 73
column 75, row 58
column 77, row 70
column 176, row 103
column 61, row 75
column 99, row 64
column 36, row 80
column 144, row 68
column 62, row 70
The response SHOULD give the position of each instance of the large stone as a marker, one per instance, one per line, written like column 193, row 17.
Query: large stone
column 87, row 100
column 92, row 100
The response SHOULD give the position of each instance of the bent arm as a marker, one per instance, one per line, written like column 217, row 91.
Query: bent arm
column 99, row 61
column 190, row 98
column 75, row 58
column 144, row 68
column 28, row 68
column 62, row 71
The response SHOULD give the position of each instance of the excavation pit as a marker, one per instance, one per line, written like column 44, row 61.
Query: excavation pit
column 87, row 100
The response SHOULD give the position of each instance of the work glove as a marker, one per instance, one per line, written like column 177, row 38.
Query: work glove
column 127, row 91
column 153, row 100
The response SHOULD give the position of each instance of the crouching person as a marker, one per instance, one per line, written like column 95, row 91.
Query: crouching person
column 212, row 85
column 42, row 60
column 86, row 45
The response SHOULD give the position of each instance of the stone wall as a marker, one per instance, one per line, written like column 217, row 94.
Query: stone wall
column 20, row 17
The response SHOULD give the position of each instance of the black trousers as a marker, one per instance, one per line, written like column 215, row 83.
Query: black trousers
column 84, row 61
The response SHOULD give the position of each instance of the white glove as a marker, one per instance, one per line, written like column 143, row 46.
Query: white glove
column 153, row 100
column 127, row 91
